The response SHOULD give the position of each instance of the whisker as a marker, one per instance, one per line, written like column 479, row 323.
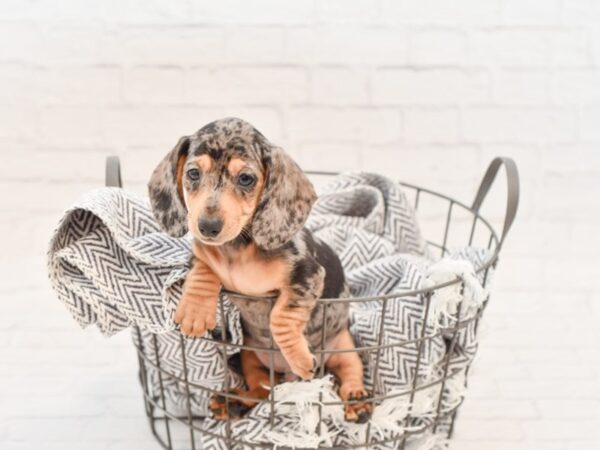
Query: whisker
column 245, row 233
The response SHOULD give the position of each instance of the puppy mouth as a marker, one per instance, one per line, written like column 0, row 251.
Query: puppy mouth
column 210, row 241
column 221, row 239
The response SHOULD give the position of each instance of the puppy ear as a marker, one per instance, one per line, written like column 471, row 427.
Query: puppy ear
column 165, row 190
column 286, row 201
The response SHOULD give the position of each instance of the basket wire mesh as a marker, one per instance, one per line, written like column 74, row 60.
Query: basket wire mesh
column 162, row 420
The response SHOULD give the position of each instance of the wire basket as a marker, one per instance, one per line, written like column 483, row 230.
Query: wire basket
column 464, row 221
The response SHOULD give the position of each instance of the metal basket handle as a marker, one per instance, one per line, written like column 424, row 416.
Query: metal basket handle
column 112, row 175
column 512, row 182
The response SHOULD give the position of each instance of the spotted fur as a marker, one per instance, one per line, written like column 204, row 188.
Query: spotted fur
column 316, row 272
column 286, row 202
column 164, row 190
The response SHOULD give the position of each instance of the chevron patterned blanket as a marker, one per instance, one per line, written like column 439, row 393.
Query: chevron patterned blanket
column 112, row 267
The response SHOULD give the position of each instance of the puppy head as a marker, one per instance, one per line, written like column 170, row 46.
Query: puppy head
column 228, row 181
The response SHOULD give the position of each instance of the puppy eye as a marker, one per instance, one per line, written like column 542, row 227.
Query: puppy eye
column 193, row 174
column 246, row 180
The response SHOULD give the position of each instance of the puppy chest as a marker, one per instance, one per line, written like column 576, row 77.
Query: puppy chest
column 243, row 270
column 253, row 278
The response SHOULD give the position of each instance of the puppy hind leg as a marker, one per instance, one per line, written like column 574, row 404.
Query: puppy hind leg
column 257, row 378
column 348, row 368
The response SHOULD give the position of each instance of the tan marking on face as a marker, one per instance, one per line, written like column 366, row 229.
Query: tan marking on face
column 179, row 177
column 195, row 202
column 205, row 163
column 235, row 166
column 233, row 216
column 234, row 209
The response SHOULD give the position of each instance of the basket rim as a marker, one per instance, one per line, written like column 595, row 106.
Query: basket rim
column 232, row 345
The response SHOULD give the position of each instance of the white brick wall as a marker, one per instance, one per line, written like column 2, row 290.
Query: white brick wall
column 428, row 91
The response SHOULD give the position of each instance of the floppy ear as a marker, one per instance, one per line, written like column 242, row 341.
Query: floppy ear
column 286, row 201
column 165, row 190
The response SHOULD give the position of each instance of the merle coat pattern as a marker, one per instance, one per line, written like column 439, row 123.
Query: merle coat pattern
column 245, row 201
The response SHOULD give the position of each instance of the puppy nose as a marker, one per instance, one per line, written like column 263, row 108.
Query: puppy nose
column 210, row 227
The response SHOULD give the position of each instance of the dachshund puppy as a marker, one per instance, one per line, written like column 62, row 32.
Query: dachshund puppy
column 245, row 203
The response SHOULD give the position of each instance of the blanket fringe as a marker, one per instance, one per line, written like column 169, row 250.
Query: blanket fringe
column 297, row 403
column 445, row 301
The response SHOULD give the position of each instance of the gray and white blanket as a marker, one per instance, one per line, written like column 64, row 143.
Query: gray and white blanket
column 112, row 266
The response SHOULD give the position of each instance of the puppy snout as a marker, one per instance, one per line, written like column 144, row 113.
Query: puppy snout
column 210, row 227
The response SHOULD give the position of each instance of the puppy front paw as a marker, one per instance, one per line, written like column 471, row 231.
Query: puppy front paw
column 196, row 315
column 302, row 364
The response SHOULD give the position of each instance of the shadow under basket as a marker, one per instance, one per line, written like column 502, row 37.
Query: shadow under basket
column 179, row 428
